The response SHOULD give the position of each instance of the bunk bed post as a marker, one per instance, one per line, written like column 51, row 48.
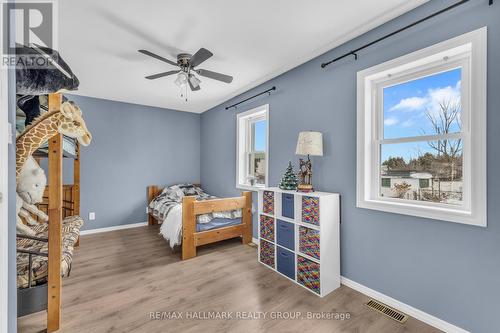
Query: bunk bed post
column 247, row 218
column 152, row 192
column 76, row 185
column 55, row 218
column 188, row 228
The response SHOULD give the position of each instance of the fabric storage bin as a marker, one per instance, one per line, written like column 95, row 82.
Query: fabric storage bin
column 285, row 262
column 268, row 202
column 267, row 227
column 287, row 206
column 308, row 274
column 267, row 253
column 310, row 210
column 285, row 234
column 309, row 241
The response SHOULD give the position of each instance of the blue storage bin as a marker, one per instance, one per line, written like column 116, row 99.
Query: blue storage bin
column 286, row 262
column 287, row 206
column 285, row 234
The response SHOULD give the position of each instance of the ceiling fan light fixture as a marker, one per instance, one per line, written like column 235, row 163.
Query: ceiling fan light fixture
column 195, row 82
column 181, row 79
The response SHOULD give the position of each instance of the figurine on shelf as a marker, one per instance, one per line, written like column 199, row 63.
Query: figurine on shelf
column 289, row 180
column 310, row 144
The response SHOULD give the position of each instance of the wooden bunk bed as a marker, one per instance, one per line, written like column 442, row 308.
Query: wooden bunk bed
column 191, row 239
column 60, row 201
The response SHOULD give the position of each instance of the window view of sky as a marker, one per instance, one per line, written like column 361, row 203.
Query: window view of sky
column 260, row 135
column 407, row 107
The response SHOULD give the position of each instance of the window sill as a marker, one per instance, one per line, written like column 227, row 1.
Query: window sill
column 437, row 213
column 250, row 187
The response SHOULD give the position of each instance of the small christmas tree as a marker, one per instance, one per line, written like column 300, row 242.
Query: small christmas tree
column 289, row 180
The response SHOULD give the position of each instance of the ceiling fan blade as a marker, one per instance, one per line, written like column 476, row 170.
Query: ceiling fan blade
column 151, row 54
column 215, row 75
column 155, row 76
column 200, row 56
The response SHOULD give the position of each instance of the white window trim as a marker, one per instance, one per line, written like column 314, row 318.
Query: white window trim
column 240, row 151
column 474, row 213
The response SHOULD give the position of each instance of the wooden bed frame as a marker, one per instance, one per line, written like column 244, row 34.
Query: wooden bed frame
column 191, row 239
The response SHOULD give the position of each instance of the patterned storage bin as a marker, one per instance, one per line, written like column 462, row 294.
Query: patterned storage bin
column 309, row 241
column 268, row 202
column 308, row 274
column 267, row 253
column 310, row 210
column 267, row 227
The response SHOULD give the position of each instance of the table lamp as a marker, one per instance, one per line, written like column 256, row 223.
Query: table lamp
column 311, row 144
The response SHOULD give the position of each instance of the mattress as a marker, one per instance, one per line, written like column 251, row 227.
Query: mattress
column 217, row 223
column 39, row 270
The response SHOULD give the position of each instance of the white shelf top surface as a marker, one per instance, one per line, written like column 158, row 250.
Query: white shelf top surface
column 308, row 194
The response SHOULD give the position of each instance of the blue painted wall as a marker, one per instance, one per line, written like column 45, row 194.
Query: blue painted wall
column 446, row 269
column 133, row 146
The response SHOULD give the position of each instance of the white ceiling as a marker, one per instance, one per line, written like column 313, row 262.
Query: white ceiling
column 252, row 40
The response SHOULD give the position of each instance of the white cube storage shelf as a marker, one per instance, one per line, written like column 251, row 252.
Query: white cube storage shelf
column 299, row 237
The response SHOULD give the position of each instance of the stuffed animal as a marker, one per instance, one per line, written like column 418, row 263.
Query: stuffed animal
column 30, row 105
column 30, row 187
column 31, row 80
column 21, row 228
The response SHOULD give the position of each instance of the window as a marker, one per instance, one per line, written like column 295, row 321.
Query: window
column 386, row 182
column 422, row 132
column 252, row 147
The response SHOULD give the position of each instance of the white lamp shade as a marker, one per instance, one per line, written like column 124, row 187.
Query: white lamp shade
column 310, row 143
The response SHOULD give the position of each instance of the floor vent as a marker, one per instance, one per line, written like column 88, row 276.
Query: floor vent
column 389, row 312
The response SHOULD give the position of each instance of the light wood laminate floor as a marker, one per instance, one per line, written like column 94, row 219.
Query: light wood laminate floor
column 120, row 277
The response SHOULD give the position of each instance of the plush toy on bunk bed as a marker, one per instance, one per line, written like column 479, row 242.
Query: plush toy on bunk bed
column 67, row 121
column 30, row 188
column 30, row 177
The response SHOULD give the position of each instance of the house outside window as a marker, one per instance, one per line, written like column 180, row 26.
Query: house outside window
column 252, row 148
column 386, row 182
column 421, row 132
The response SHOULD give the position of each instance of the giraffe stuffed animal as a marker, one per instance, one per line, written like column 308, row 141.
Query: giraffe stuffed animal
column 68, row 121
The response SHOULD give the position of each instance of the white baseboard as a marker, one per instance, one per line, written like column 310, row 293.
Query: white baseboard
column 118, row 227
column 409, row 310
column 255, row 241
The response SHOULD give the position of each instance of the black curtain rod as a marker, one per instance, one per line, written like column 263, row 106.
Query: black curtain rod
column 355, row 52
column 249, row 98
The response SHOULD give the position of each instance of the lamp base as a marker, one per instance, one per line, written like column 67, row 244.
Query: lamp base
column 305, row 188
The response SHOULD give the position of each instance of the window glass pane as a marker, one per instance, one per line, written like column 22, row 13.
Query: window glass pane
column 423, row 171
column 257, row 168
column 259, row 135
column 425, row 106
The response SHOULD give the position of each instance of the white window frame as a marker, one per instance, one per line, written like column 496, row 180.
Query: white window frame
column 467, row 51
column 244, row 141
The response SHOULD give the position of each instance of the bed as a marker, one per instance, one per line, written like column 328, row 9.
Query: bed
column 190, row 217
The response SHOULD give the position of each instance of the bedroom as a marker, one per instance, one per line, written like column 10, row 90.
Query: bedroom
column 434, row 261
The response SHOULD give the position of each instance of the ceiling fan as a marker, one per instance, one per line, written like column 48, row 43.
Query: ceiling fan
column 186, row 72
